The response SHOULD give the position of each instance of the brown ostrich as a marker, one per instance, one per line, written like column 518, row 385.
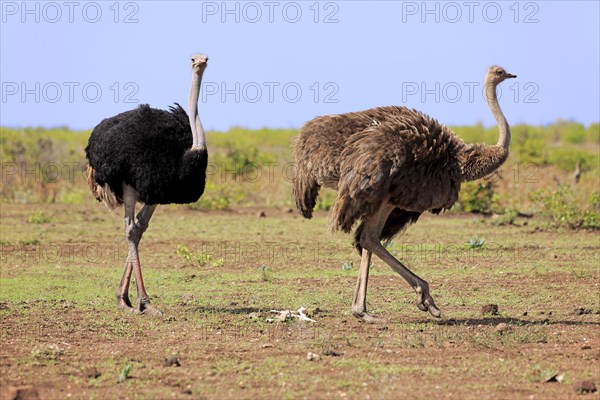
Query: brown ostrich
column 389, row 165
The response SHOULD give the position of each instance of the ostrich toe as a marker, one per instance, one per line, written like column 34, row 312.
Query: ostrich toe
column 370, row 319
column 425, row 302
column 124, row 303
column 148, row 309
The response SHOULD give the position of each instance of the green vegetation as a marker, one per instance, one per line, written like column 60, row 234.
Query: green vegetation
column 201, row 259
column 125, row 372
column 563, row 209
column 476, row 242
column 38, row 217
column 478, row 197
column 249, row 168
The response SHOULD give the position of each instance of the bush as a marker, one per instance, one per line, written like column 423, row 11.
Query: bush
column 567, row 157
column 478, row 197
column 564, row 211
column 38, row 217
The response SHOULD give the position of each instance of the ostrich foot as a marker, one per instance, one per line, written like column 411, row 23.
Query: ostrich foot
column 425, row 302
column 144, row 307
column 368, row 318
column 124, row 303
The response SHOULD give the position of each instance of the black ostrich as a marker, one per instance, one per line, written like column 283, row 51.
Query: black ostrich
column 153, row 157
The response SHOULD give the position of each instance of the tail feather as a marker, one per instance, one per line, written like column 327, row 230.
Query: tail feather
column 306, row 190
column 101, row 193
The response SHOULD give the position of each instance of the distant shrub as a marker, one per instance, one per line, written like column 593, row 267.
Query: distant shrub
column 478, row 197
column 506, row 218
column 219, row 196
column 529, row 146
column 325, row 200
column 38, row 217
column 567, row 157
column 564, row 211
column 72, row 197
column 592, row 133
column 572, row 132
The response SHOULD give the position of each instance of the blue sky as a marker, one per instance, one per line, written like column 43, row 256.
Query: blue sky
column 280, row 63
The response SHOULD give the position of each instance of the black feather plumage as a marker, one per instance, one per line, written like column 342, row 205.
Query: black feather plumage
column 150, row 150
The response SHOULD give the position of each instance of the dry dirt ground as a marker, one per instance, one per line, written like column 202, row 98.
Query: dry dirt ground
column 63, row 337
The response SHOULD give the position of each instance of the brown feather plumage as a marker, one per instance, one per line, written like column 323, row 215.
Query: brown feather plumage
column 382, row 152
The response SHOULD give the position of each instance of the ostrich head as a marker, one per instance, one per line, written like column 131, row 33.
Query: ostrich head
column 497, row 74
column 199, row 62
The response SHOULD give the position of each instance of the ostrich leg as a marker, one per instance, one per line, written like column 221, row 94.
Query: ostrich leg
column 143, row 300
column 133, row 233
column 370, row 240
column 359, row 305
column 123, row 289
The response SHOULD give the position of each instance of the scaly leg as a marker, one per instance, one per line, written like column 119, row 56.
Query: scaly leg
column 369, row 240
column 359, row 304
column 143, row 300
column 123, row 288
column 133, row 232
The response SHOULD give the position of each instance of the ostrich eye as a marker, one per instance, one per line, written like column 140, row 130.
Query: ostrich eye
column 499, row 72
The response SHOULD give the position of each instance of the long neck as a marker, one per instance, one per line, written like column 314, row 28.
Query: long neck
column 198, row 136
column 479, row 160
column 503, row 128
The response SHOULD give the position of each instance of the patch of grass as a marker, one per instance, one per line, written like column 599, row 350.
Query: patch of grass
column 38, row 217
column 48, row 352
column 266, row 273
column 476, row 242
column 193, row 258
column 125, row 372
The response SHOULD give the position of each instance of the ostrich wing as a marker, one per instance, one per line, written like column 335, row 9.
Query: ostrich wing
column 369, row 160
column 409, row 161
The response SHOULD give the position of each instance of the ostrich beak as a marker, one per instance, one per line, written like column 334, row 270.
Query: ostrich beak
column 510, row 76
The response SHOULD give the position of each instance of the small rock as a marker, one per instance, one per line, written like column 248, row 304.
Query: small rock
column 266, row 345
column 261, row 214
column 331, row 353
column 502, row 327
column 289, row 210
column 91, row 373
column 313, row 356
column 489, row 309
column 586, row 347
column 26, row 392
column 585, row 387
column 187, row 298
column 582, row 311
column 172, row 361
column 187, row 390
